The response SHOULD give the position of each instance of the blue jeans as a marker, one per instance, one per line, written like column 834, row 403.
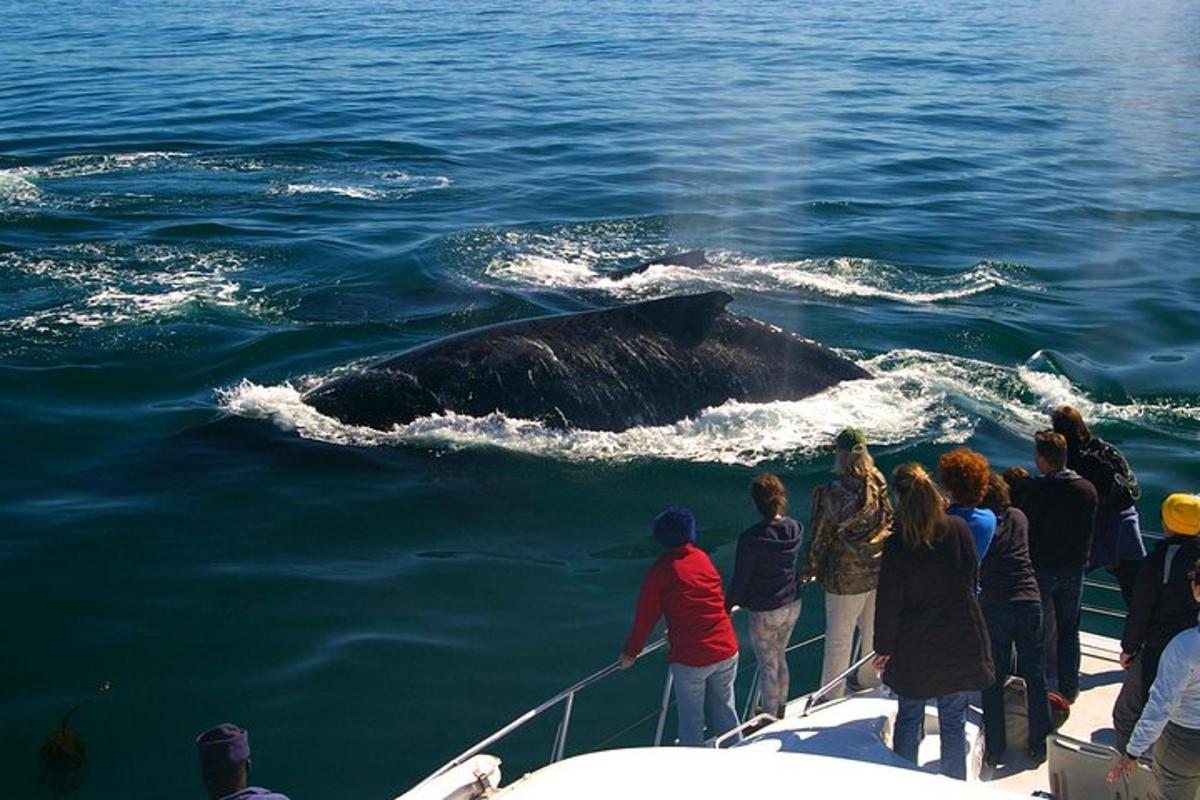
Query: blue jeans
column 700, row 687
column 1020, row 624
column 952, row 722
column 1062, row 595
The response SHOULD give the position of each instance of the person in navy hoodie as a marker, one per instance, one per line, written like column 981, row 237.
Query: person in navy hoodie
column 964, row 477
column 765, row 584
column 225, row 765
column 684, row 586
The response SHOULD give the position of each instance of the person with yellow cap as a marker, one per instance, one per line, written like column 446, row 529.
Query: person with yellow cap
column 1163, row 606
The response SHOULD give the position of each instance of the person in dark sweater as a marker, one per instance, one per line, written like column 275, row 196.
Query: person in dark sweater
column 765, row 584
column 930, row 637
column 683, row 585
column 224, row 753
column 1117, row 536
column 1061, row 507
column 1163, row 606
column 1012, row 608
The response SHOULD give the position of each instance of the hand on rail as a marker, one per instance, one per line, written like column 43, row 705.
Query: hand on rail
column 1122, row 767
column 1127, row 660
column 880, row 663
column 627, row 661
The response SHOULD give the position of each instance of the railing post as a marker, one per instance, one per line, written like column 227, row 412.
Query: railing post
column 662, row 710
column 560, row 741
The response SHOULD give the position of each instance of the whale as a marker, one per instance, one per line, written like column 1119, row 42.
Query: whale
column 651, row 363
column 689, row 258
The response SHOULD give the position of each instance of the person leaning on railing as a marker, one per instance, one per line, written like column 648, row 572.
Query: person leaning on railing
column 684, row 586
column 851, row 518
column 766, row 585
column 930, row 637
column 1170, row 723
column 1117, row 536
column 1162, row 607
column 1012, row 608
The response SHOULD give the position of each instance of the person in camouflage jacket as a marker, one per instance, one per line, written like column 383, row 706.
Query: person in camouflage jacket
column 851, row 518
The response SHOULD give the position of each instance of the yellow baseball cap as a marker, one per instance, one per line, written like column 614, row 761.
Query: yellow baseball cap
column 1181, row 514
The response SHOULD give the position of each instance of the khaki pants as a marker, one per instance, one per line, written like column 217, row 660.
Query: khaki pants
column 1176, row 764
column 844, row 613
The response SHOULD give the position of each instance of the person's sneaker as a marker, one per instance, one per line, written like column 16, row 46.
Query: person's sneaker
column 993, row 761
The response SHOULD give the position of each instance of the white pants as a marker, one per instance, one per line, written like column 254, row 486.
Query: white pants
column 844, row 613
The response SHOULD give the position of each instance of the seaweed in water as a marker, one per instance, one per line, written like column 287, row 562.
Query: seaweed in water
column 64, row 755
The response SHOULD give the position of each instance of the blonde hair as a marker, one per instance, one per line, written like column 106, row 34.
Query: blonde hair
column 920, row 506
column 856, row 461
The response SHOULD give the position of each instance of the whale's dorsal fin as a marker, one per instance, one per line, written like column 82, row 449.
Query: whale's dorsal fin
column 686, row 318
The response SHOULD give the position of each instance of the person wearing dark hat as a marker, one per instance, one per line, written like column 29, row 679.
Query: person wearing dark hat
column 851, row 519
column 684, row 586
column 1162, row 607
column 225, row 764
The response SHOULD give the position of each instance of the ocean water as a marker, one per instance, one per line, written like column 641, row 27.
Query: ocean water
column 206, row 207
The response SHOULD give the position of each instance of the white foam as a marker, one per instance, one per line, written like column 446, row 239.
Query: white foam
column 355, row 192
column 913, row 396
column 16, row 188
column 107, row 285
column 836, row 277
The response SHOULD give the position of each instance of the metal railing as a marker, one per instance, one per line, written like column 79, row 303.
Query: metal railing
column 567, row 696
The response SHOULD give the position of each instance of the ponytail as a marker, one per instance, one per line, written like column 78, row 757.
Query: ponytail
column 920, row 506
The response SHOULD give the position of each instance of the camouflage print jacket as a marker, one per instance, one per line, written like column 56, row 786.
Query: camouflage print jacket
column 851, row 518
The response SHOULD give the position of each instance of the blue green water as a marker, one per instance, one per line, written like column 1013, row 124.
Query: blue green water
column 207, row 206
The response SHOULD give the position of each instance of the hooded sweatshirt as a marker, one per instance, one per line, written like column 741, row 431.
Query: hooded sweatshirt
column 764, row 574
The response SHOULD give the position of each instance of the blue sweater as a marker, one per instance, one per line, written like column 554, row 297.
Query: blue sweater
column 982, row 523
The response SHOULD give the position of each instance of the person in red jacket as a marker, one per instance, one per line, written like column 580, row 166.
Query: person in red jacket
column 683, row 585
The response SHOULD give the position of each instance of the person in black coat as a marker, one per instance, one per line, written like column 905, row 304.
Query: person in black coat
column 930, row 637
column 1061, row 507
column 1163, row 606
column 1012, row 607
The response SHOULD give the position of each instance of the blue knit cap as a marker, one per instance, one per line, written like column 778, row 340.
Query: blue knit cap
column 675, row 527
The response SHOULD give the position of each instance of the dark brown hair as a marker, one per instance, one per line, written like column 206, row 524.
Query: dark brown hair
column 770, row 498
column 1052, row 447
column 965, row 473
column 997, row 498
column 1018, row 479
column 1069, row 422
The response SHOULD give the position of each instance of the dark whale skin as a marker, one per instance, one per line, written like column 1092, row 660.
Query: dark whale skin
column 650, row 363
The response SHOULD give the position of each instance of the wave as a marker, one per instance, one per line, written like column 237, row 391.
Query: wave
column 104, row 285
column 578, row 261
column 20, row 185
column 389, row 185
column 17, row 189
column 913, row 396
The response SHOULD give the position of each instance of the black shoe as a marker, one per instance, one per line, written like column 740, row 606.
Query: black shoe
column 993, row 761
column 1037, row 758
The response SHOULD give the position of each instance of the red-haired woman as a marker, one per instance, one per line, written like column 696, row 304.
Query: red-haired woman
column 964, row 477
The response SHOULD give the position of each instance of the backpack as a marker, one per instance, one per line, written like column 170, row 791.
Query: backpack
column 1123, row 490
